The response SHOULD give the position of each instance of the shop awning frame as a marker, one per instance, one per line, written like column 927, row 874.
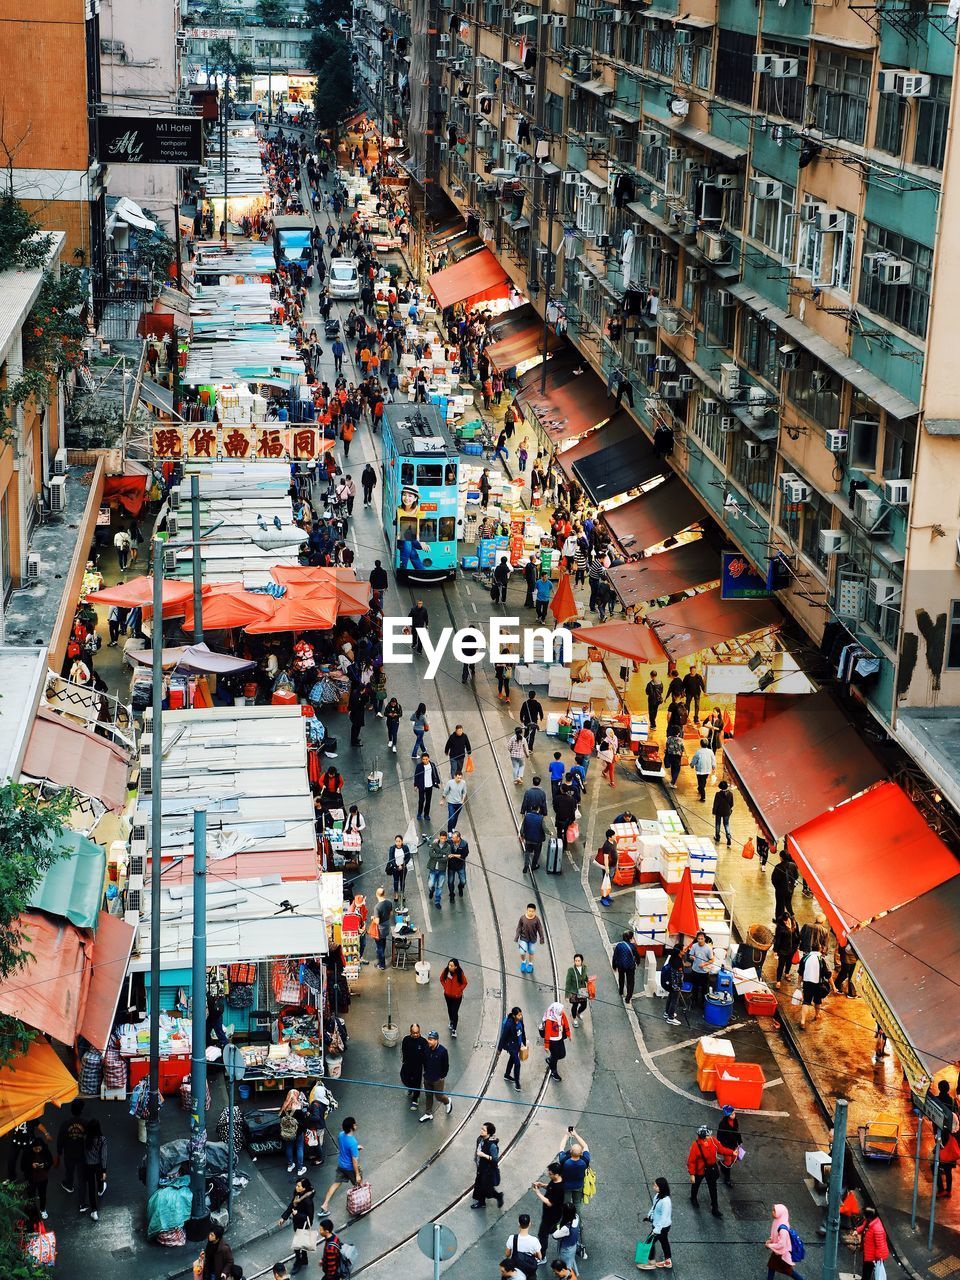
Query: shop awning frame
column 689, row 565
column 474, row 279
column 618, row 468
column 628, row 639
column 575, row 399
column 517, row 336
column 705, row 620
column 654, row 516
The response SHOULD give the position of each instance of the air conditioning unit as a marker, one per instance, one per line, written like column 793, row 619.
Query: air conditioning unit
column 173, row 498
column 762, row 63
column 810, row 209
column 135, row 899
column 819, row 381
column 650, row 138
column 603, row 242
column 887, row 80
column 783, row 68
column 885, row 592
column 787, row 478
column 729, row 381
column 643, row 346
column 570, row 178
column 727, row 181
column 837, row 441
column 897, row 492
column 788, row 357
column 728, row 425
column 682, row 36
column 895, row 271
column 834, row 542
column 559, row 20
column 146, row 776
column 58, row 493
column 709, row 408
column 754, row 450
column 169, row 560
column 712, row 245
column 664, row 364
column 687, row 382
column 173, row 525
column 909, row 85
column 669, row 320
column 671, row 390
column 725, row 299
column 797, row 491
column 60, row 462
column 33, row 568
column 672, row 154
column 831, row 220
column 867, row 507
column 765, row 188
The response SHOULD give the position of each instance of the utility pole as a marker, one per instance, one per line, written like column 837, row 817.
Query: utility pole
column 838, row 1148
column 198, row 1056
column 269, row 89
column 197, row 558
column 548, row 274
column 156, row 847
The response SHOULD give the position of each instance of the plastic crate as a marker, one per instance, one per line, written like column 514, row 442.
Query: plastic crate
column 473, row 448
column 761, row 1003
column 740, row 1085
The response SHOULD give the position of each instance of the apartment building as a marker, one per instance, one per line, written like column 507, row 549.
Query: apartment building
column 737, row 210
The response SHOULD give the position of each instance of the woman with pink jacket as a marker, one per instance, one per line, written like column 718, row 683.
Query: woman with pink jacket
column 780, row 1244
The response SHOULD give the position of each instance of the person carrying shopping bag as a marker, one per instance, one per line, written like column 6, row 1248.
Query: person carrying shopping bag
column 301, row 1210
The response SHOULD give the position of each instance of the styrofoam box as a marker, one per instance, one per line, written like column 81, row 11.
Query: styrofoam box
column 560, row 683
column 651, row 901
column 649, row 844
column 710, row 907
column 670, row 820
column 553, row 723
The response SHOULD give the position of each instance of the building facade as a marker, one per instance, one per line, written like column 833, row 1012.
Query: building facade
column 742, row 211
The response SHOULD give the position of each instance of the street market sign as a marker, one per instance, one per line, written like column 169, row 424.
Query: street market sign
column 150, row 140
column 740, row 581
column 249, row 444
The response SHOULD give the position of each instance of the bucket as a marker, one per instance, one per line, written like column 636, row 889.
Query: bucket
column 390, row 1035
column 243, row 1091
column 717, row 1008
column 422, row 970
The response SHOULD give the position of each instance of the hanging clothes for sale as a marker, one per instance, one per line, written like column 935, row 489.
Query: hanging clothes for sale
column 523, row 131
column 627, row 241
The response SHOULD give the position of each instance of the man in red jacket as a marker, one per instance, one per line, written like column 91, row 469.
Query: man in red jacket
column 702, row 1166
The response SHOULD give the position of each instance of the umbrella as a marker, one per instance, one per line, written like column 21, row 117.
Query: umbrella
column 296, row 613
column 195, row 658
column 683, row 916
column 226, row 604
column 628, row 639
column 138, row 593
column 563, row 606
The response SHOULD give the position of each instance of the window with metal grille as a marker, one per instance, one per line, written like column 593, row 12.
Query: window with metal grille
column 816, row 390
column 841, row 92
column 932, row 115
column 891, row 116
column 718, row 322
column 755, row 475
column 784, row 97
column 660, row 49
column 758, row 346
column 735, row 66
column 552, row 112
column 708, row 432
column 899, row 445
column 907, row 305
column 631, row 45
column 771, row 221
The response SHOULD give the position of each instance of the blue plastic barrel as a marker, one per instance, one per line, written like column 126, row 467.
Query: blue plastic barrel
column 718, row 1008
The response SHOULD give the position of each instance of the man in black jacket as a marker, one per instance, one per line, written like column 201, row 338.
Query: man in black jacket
column 419, row 620
column 531, row 713
column 501, row 576
column 693, row 687
column 564, row 811
column 784, row 879
column 534, row 799
column 722, row 809
column 379, row 582
column 436, row 1065
column 456, row 749
column 426, row 779
column 530, row 576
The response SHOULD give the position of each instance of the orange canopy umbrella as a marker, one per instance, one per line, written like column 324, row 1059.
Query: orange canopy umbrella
column 628, row 639
column 296, row 613
column 563, row 606
column 226, row 604
column 683, row 917
column 351, row 597
column 138, row 593
column 302, row 574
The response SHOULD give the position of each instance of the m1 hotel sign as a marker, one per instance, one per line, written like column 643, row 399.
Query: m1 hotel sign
column 150, row 140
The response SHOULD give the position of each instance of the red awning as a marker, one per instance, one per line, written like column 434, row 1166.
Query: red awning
column 128, row 491
column 692, row 564
column 869, row 856
column 829, row 763
column 474, row 279
column 618, row 430
column 574, row 399
column 705, row 620
column 64, row 752
column 138, row 593
column 654, row 516
column 517, row 336
column 30, row 1083
column 628, row 639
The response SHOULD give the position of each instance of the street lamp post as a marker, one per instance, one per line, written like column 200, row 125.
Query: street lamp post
column 548, row 275
column 198, row 1032
column 197, row 558
column 156, row 841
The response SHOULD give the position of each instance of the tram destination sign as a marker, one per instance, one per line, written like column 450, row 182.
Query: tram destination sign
column 150, row 139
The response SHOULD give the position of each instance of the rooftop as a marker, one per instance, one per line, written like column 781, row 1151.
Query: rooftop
column 932, row 736
column 18, row 292
column 22, row 675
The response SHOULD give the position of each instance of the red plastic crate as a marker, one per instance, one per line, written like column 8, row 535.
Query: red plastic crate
column 762, row 1003
column 740, row 1085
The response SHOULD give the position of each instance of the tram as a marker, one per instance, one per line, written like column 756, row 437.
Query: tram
column 421, row 492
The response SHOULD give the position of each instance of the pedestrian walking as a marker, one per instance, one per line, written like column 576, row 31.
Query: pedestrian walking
column 518, row 750
column 420, row 727
column 392, row 715
column 673, row 754
column 412, row 1050
column 368, row 482
column 217, row 1257
column 534, row 798
column 722, row 809
column 437, row 868
column 784, row 877
column 71, row 1142
column 607, row 752
column 815, row 976
column 504, row 673
column 786, row 939
column 35, row 1165
column 382, row 920
column 121, row 541
column 436, row 1067
column 555, row 1030
column 455, row 794
column 654, row 692
column 529, row 933
column 693, row 686
column 523, row 1249
column 333, row 1262
column 454, row 983
column 728, row 1142
column 457, row 864
column 567, row 1239
column 532, row 836
column 426, row 779
column 660, row 1217
column 487, row 1158
column 873, row 1237
column 513, row 1042
column 703, row 764
column 703, row 1166
column 550, row 1195
column 786, row 1247
column 293, row 1125
column 574, row 1159
column 300, row 1213
column 530, row 580
column 348, row 1160
column 575, row 989
column 419, row 621
column 457, row 748
column 624, row 964
column 543, row 593
column 398, row 864
column 531, row 715
column 671, row 979
column 584, row 744
column 501, row 578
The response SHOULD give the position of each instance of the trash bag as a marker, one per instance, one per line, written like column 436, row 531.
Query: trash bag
column 169, row 1207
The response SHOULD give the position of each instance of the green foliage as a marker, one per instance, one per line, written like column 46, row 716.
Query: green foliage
column 336, row 96
column 154, row 248
column 29, row 846
column 272, row 13
column 327, row 13
column 14, row 1264
column 22, row 246
column 222, row 57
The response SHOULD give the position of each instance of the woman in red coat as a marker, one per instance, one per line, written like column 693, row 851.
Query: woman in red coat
column 555, row 1029
column 454, row 982
column 875, row 1247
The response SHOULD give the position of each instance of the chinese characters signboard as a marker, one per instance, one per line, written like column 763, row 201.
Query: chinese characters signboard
column 739, row 580
column 244, row 443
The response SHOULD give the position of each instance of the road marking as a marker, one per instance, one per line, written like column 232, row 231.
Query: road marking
column 685, row 1044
